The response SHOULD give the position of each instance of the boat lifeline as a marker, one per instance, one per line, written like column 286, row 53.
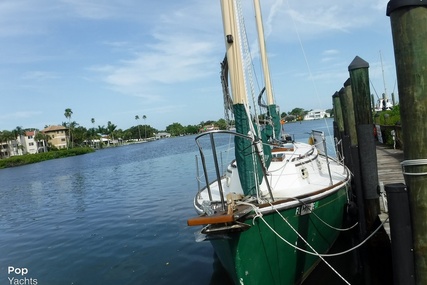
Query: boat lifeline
column 278, row 205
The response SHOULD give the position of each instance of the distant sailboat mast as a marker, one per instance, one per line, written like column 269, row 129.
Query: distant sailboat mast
column 382, row 69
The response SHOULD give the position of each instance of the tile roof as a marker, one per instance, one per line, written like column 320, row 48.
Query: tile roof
column 54, row 128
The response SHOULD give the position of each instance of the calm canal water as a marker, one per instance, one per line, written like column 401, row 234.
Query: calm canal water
column 116, row 216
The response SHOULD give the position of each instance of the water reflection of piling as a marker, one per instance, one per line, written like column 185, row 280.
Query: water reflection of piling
column 409, row 30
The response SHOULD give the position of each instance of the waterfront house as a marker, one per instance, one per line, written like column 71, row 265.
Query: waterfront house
column 58, row 136
column 31, row 145
column 316, row 115
column 208, row 128
column 162, row 135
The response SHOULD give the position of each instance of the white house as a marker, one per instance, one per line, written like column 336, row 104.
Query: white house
column 31, row 145
column 162, row 135
column 316, row 114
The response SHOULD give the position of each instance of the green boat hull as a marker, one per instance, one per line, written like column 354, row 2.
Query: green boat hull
column 259, row 256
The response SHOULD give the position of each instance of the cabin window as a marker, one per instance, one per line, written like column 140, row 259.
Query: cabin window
column 277, row 156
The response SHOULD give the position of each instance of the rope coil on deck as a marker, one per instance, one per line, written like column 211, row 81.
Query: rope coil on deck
column 413, row 162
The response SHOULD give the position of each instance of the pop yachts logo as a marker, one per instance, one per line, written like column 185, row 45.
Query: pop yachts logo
column 17, row 276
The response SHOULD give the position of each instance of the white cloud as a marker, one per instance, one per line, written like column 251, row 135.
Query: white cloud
column 20, row 18
column 20, row 115
column 93, row 9
column 312, row 19
column 156, row 50
column 176, row 52
column 39, row 75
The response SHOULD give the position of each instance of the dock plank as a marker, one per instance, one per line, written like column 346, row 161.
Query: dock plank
column 388, row 161
column 389, row 171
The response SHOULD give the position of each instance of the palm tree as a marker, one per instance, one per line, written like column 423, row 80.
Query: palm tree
column 2, row 139
column 145, row 126
column 74, row 134
column 7, row 137
column 67, row 115
column 93, row 129
column 137, row 118
column 42, row 137
column 19, row 132
column 111, row 128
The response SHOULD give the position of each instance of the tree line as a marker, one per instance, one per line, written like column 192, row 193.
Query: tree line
column 78, row 134
column 175, row 129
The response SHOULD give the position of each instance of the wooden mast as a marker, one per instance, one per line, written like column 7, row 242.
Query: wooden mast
column 272, row 108
column 263, row 53
column 234, row 53
column 246, row 161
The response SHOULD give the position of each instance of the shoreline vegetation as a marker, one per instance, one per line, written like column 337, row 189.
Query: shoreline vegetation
column 39, row 157
column 389, row 120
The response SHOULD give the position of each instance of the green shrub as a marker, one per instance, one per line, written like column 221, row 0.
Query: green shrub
column 38, row 157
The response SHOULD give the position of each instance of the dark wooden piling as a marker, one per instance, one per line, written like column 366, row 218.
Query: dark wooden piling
column 359, row 76
column 338, row 124
column 338, row 115
column 351, row 160
column 351, row 150
column 345, row 138
column 409, row 30
column 348, row 112
column 401, row 234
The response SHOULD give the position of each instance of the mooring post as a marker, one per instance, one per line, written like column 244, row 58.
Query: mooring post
column 353, row 163
column 401, row 234
column 338, row 123
column 409, row 30
column 359, row 76
column 347, row 106
column 338, row 112
column 346, row 97
column 345, row 138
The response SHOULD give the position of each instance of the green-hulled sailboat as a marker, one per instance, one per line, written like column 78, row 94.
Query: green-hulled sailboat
column 277, row 205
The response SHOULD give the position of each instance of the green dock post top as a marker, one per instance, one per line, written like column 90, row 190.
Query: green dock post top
column 347, row 82
column 335, row 94
column 357, row 63
column 397, row 4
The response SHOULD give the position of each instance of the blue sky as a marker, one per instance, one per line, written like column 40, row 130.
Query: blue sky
column 114, row 59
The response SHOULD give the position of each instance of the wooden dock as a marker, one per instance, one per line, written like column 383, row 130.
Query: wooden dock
column 389, row 171
column 388, row 160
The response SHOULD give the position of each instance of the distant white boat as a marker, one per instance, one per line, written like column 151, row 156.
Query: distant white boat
column 383, row 104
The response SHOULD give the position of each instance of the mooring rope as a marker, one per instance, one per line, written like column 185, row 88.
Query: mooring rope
column 413, row 162
column 306, row 242
column 324, row 222
column 259, row 215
